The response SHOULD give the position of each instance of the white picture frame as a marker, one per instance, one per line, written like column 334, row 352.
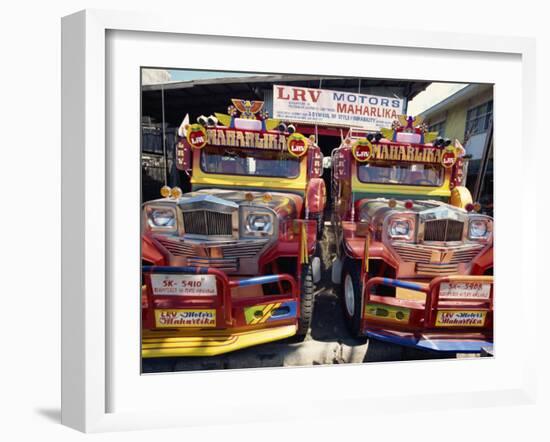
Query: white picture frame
column 91, row 368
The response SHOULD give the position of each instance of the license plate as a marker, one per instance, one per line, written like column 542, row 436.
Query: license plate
column 183, row 285
column 463, row 318
column 185, row 318
column 465, row 290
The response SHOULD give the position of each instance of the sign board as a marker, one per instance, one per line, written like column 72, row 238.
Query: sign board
column 470, row 318
column 185, row 318
column 465, row 290
column 183, row 285
column 335, row 108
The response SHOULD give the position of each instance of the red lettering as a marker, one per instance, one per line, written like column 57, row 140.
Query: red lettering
column 341, row 107
column 300, row 93
column 314, row 95
column 280, row 92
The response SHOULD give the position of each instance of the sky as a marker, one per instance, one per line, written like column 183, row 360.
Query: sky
column 433, row 94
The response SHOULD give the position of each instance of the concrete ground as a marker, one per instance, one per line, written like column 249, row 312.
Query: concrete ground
column 328, row 341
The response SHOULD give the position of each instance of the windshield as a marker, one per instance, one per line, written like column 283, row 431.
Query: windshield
column 413, row 174
column 249, row 162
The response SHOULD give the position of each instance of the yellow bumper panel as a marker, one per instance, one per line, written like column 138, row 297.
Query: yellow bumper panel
column 207, row 342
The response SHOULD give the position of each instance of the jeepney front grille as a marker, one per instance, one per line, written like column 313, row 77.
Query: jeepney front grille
column 429, row 255
column 227, row 265
column 443, row 230
column 229, row 249
column 436, row 269
column 207, row 222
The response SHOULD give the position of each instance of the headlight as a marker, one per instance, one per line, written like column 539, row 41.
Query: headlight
column 256, row 222
column 401, row 228
column 259, row 223
column 479, row 229
column 161, row 218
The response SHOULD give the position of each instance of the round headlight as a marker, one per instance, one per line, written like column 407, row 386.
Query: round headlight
column 162, row 218
column 400, row 228
column 478, row 229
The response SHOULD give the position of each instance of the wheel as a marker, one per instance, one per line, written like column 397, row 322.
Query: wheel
column 307, row 292
column 350, row 295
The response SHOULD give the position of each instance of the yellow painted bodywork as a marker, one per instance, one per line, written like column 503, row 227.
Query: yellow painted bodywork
column 173, row 343
column 271, row 183
column 460, row 197
column 409, row 295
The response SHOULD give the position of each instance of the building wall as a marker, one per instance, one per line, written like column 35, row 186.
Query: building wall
column 455, row 116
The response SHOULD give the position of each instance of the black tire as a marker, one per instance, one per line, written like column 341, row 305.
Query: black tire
column 352, row 269
column 320, row 224
column 307, row 293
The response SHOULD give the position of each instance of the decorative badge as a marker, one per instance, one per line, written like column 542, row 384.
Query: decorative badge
column 361, row 150
column 297, row 144
column 196, row 136
column 448, row 157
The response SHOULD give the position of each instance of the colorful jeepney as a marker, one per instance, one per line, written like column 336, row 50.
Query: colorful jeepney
column 414, row 258
column 231, row 264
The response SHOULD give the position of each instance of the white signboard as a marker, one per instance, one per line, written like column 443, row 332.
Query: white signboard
column 183, row 285
column 335, row 108
column 465, row 290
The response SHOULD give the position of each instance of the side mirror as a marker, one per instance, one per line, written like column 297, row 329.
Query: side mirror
column 327, row 162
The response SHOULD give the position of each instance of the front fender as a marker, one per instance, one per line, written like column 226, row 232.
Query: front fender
column 150, row 252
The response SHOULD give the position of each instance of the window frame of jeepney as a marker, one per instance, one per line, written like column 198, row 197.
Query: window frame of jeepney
column 87, row 213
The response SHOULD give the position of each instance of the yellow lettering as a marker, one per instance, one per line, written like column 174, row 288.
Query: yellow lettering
column 230, row 138
column 249, row 139
column 221, row 138
column 376, row 151
column 385, row 154
column 211, row 136
column 240, row 139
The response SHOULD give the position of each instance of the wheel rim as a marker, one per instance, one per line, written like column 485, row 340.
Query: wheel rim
column 349, row 295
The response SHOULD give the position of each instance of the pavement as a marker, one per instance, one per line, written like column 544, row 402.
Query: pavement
column 328, row 341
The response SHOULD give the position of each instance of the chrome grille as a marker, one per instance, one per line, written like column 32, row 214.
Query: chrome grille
column 229, row 249
column 422, row 254
column 227, row 265
column 206, row 222
column 436, row 269
column 443, row 230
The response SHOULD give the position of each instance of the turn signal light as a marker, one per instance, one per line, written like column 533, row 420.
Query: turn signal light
column 165, row 191
column 176, row 192
column 475, row 207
